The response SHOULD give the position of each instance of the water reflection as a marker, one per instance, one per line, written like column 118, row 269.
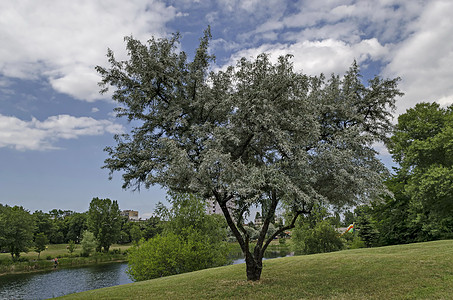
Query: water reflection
column 62, row 281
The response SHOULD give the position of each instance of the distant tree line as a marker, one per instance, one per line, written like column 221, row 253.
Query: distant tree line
column 22, row 231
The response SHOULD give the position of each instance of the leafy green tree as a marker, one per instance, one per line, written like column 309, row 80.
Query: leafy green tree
column 71, row 246
column 136, row 233
column 155, row 258
column 316, row 233
column 170, row 254
column 88, row 243
column 17, row 227
column 422, row 144
column 322, row 238
column 254, row 134
column 422, row 186
column 104, row 221
column 366, row 227
column 189, row 211
column 152, row 227
column 191, row 240
column 60, row 225
column 43, row 223
column 40, row 243
column 77, row 224
column 348, row 218
column 395, row 217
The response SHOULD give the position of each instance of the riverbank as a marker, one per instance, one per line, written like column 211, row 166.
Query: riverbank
column 7, row 268
column 414, row 271
column 29, row 262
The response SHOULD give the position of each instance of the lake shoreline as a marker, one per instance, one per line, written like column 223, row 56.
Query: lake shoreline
column 64, row 262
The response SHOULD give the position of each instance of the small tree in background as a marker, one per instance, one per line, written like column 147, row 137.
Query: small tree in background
column 136, row 233
column 316, row 233
column 88, row 243
column 71, row 246
column 366, row 227
column 40, row 243
column 16, row 230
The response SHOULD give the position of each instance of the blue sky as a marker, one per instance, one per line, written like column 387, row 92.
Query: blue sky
column 54, row 124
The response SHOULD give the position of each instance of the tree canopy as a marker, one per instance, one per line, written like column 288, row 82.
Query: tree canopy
column 423, row 146
column 104, row 222
column 17, row 227
column 421, row 207
column 254, row 134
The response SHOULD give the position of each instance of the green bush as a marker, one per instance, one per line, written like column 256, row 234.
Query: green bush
column 22, row 259
column 88, row 243
column 319, row 239
column 116, row 251
column 356, row 243
column 6, row 261
column 174, row 254
column 71, row 246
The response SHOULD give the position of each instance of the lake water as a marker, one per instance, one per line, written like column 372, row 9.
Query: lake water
column 63, row 281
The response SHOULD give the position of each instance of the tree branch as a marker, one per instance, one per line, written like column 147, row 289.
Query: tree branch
column 290, row 226
column 259, row 250
column 223, row 206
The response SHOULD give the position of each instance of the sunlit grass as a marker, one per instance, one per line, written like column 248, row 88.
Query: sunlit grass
column 29, row 262
column 58, row 250
column 415, row 271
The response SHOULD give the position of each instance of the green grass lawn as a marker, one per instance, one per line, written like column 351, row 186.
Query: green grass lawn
column 55, row 250
column 65, row 259
column 415, row 271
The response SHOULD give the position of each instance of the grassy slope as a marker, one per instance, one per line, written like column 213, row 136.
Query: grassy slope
column 423, row 270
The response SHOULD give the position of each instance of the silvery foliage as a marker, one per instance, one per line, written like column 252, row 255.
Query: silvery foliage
column 249, row 133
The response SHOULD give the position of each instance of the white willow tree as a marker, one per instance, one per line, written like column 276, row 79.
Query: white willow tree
column 256, row 134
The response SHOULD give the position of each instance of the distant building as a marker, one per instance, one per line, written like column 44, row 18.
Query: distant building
column 212, row 207
column 132, row 215
column 258, row 219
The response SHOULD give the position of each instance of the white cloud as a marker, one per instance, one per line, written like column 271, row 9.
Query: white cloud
column 345, row 20
column 315, row 57
column 94, row 110
column 41, row 135
column 63, row 41
column 424, row 60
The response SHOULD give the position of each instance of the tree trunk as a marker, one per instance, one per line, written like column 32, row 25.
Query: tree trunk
column 253, row 267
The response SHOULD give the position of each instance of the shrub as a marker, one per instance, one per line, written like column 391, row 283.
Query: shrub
column 22, row 259
column 116, row 251
column 88, row 243
column 319, row 239
column 71, row 246
column 173, row 254
column 356, row 243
